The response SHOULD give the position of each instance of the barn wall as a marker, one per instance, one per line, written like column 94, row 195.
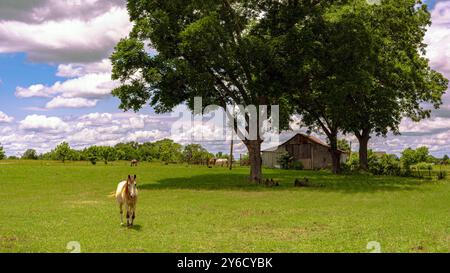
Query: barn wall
column 310, row 154
column 270, row 158
column 306, row 163
column 321, row 157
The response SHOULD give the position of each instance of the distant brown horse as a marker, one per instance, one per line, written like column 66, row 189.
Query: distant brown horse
column 134, row 163
column 212, row 161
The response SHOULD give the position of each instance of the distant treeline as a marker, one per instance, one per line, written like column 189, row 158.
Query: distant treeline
column 165, row 150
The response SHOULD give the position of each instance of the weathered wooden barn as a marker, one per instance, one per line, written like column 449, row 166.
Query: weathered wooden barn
column 310, row 151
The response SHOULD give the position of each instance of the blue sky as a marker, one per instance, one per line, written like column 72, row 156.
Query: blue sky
column 16, row 70
column 55, row 80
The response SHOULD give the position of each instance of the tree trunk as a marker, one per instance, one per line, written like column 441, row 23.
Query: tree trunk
column 254, row 152
column 363, row 139
column 335, row 154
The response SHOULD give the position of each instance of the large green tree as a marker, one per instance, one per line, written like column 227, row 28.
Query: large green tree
column 225, row 51
column 398, row 80
column 329, row 57
column 367, row 71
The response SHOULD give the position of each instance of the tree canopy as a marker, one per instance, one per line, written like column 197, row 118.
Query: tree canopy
column 227, row 52
column 367, row 71
column 30, row 154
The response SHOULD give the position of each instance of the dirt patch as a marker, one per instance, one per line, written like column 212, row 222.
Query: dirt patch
column 248, row 213
column 136, row 250
column 418, row 249
column 7, row 242
column 84, row 203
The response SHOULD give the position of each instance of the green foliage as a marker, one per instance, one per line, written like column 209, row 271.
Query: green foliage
column 2, row 153
column 445, row 160
column 285, row 160
column 367, row 68
column 169, row 151
column 107, row 154
column 196, row 154
column 225, row 52
column 423, row 166
column 411, row 157
column 92, row 154
column 297, row 165
column 441, row 175
column 378, row 165
column 164, row 150
column 344, row 145
column 128, row 151
column 221, row 155
column 63, row 152
column 30, row 154
column 412, row 163
column 352, row 163
column 391, row 165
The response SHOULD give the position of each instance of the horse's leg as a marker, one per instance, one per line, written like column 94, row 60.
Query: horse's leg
column 121, row 213
column 128, row 215
column 133, row 216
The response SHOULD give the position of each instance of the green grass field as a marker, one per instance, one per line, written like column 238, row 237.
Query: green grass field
column 45, row 205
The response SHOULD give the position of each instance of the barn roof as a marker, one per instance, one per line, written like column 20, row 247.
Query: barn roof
column 309, row 137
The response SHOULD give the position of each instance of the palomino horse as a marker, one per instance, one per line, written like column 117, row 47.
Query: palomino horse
column 126, row 194
column 134, row 163
column 222, row 162
column 218, row 162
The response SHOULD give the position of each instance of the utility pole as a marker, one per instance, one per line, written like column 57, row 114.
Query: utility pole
column 232, row 142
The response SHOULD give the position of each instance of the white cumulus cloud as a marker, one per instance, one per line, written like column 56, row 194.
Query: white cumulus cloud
column 67, row 40
column 4, row 118
column 41, row 123
column 92, row 86
column 61, row 102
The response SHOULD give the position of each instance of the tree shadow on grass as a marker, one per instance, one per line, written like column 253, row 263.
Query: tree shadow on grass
column 319, row 181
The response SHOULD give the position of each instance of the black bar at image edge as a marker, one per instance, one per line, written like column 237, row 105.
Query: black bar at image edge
column 227, row 262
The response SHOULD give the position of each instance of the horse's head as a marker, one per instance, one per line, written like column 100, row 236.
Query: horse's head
column 132, row 186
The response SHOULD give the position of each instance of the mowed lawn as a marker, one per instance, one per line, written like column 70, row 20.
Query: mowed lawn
column 45, row 205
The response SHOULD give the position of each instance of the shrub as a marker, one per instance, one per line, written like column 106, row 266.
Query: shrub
column 297, row 165
column 441, row 175
column 285, row 160
column 422, row 167
column 353, row 163
column 378, row 165
column 391, row 165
